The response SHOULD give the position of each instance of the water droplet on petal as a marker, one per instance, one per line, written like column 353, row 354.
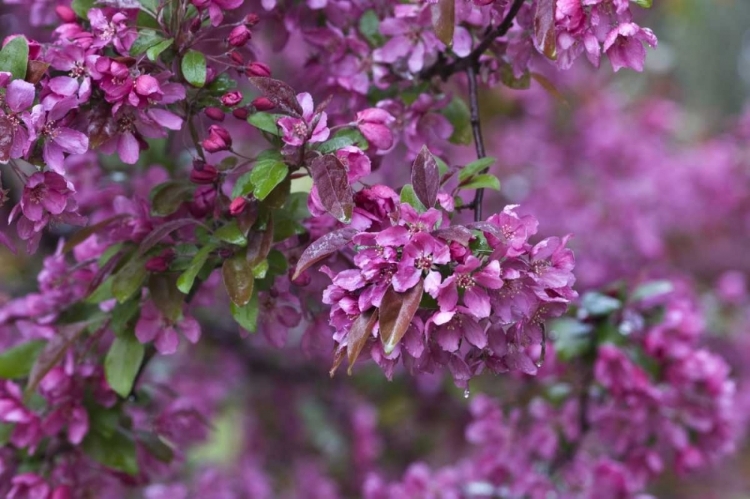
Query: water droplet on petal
column 467, row 392
column 539, row 363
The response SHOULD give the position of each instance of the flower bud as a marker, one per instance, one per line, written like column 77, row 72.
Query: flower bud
column 237, row 206
column 252, row 19
column 258, row 69
column 263, row 104
column 218, row 139
column 207, row 174
column 231, row 99
column 66, row 14
column 160, row 263
column 214, row 113
column 239, row 36
column 241, row 113
column 204, row 199
column 374, row 125
column 236, row 57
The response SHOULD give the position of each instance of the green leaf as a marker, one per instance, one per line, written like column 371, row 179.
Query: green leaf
column 146, row 20
column 17, row 362
column 122, row 314
column 149, row 5
column 247, row 315
column 457, row 112
column 350, row 137
column 238, row 279
column 651, row 290
column 147, row 38
column 646, row 4
column 266, row 175
column 129, row 279
column 154, row 52
column 14, row 57
column 265, row 122
column 122, row 363
column 510, row 80
column 473, row 168
column 230, row 233
column 82, row 7
column 243, row 186
column 194, row 68
column 116, row 451
column 572, row 338
column 166, row 198
column 598, row 304
column 156, row 447
column 484, row 181
column 369, row 26
column 187, row 278
column 409, row 197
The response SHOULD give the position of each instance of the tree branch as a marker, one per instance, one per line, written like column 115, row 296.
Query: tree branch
column 445, row 69
column 476, row 130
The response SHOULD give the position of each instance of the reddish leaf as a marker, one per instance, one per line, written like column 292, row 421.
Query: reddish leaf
column 53, row 352
column 545, row 37
column 549, row 87
column 35, row 71
column 338, row 358
column 323, row 248
column 84, row 233
column 396, row 312
column 425, row 177
column 457, row 233
column 487, row 227
column 329, row 176
column 238, row 279
column 259, row 244
column 6, row 139
column 444, row 20
column 282, row 95
column 165, row 295
column 101, row 127
column 104, row 272
column 358, row 335
column 155, row 236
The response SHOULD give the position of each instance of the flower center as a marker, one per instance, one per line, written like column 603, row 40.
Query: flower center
column 424, row 262
column 465, row 281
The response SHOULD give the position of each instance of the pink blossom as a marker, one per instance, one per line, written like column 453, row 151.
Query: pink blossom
column 311, row 127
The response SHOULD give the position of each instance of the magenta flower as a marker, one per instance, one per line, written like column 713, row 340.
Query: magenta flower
column 216, row 8
column 312, row 127
column 218, row 139
column 375, row 125
column 115, row 30
column 466, row 278
column 19, row 97
column 153, row 326
column 418, row 257
column 45, row 194
column 623, row 45
column 51, row 126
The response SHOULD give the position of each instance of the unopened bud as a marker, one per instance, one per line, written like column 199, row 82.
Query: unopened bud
column 231, row 99
column 263, row 104
column 237, row 206
column 205, row 175
column 258, row 69
column 214, row 113
column 239, row 36
column 241, row 113
column 66, row 14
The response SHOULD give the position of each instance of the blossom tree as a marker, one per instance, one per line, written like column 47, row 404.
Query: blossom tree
column 236, row 201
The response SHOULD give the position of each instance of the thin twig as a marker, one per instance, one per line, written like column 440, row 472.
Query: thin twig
column 476, row 130
column 445, row 69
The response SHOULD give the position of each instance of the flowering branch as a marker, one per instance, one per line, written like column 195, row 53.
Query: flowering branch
column 446, row 70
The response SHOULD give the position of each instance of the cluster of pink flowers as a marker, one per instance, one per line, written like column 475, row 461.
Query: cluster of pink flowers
column 488, row 290
column 609, row 437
